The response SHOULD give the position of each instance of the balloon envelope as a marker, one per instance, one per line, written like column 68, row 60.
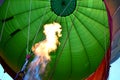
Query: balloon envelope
column 84, row 41
column 114, row 9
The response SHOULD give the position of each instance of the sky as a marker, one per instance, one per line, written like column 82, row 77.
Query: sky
column 4, row 76
column 113, row 75
column 115, row 70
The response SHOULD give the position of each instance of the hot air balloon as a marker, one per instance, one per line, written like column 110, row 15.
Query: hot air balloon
column 85, row 35
column 114, row 9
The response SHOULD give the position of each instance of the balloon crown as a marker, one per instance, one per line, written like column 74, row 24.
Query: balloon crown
column 63, row 7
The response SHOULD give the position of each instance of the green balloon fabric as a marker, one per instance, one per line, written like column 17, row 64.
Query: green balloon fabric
column 84, row 41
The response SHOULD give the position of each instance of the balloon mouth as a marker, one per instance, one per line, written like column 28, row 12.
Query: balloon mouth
column 63, row 7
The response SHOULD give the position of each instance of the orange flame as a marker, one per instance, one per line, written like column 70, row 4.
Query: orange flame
column 43, row 48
